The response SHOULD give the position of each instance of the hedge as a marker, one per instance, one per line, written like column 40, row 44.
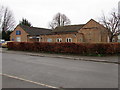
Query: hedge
column 73, row 48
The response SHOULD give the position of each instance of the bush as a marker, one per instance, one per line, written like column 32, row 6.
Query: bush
column 72, row 48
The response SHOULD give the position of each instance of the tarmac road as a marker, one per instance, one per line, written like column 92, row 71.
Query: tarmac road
column 15, row 83
column 59, row 72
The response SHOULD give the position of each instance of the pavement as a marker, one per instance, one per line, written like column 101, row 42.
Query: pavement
column 105, row 59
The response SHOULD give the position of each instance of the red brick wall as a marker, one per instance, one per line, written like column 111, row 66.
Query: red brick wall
column 23, row 35
column 94, row 32
column 75, row 37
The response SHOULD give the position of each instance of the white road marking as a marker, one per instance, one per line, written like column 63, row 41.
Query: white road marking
column 38, row 83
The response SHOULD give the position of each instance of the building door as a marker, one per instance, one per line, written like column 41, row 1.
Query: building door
column 37, row 39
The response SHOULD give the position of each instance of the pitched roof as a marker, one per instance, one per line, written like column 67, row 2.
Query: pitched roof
column 35, row 30
column 97, row 23
column 69, row 28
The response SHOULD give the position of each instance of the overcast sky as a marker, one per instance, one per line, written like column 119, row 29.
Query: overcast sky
column 41, row 12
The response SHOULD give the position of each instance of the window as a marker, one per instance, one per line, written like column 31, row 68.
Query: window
column 113, row 40
column 18, row 32
column 69, row 40
column 118, row 36
column 18, row 39
column 12, row 39
column 49, row 40
column 37, row 38
column 81, row 39
column 59, row 40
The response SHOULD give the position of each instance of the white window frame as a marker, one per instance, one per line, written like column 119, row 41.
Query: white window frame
column 59, row 40
column 49, row 40
column 39, row 39
column 18, row 39
column 81, row 39
column 113, row 40
column 119, row 37
column 108, row 38
column 68, row 39
column 30, row 37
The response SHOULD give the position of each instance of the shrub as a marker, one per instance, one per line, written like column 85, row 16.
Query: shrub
column 73, row 48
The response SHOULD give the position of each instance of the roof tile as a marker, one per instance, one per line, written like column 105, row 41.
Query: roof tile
column 35, row 30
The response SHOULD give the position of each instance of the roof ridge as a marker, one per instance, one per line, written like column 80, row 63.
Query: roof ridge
column 35, row 30
column 40, row 28
column 68, row 28
column 72, row 25
column 97, row 23
column 36, row 27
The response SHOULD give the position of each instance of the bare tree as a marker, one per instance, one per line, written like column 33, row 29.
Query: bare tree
column 6, row 19
column 112, row 24
column 59, row 20
column 1, row 14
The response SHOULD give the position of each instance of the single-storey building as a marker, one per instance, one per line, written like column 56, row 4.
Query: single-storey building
column 24, row 33
column 118, row 38
column 92, row 31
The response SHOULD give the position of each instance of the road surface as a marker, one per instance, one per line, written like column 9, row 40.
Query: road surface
column 15, row 83
column 59, row 72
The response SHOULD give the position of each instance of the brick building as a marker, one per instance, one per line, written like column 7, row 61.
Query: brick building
column 92, row 31
column 24, row 33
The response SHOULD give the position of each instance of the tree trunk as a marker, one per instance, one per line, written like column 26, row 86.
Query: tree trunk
column 111, row 38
